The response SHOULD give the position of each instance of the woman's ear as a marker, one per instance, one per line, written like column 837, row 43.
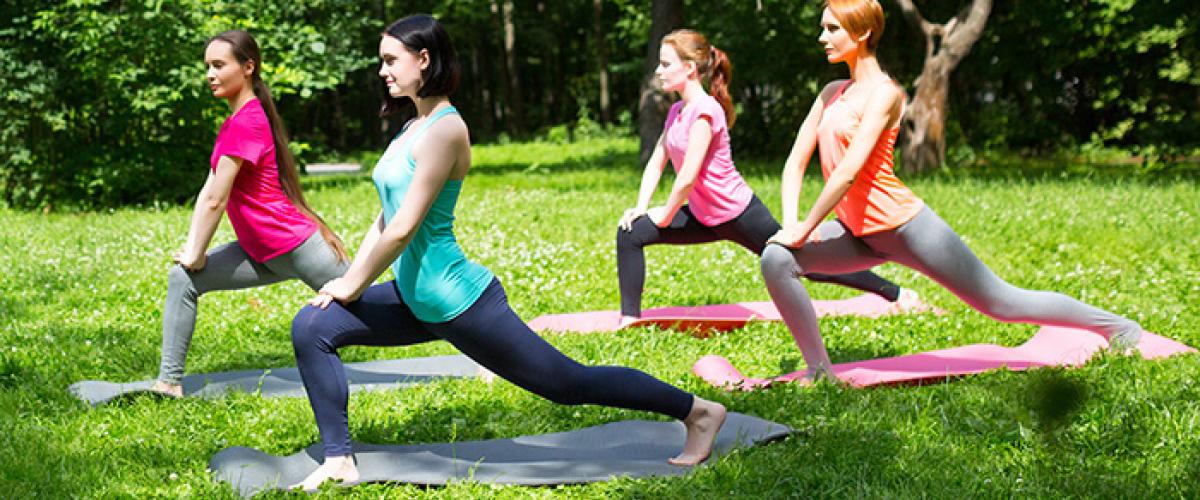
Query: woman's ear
column 423, row 59
column 862, row 39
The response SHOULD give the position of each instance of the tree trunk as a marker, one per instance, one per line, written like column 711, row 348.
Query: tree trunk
column 666, row 15
column 502, row 14
column 602, row 58
column 945, row 46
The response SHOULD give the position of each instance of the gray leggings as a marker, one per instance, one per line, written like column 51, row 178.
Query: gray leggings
column 928, row 245
column 230, row 268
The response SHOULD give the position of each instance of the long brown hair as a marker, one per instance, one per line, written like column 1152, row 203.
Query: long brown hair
column 711, row 63
column 245, row 49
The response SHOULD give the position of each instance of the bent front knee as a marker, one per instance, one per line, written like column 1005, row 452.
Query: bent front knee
column 777, row 261
column 179, row 279
column 627, row 241
column 307, row 327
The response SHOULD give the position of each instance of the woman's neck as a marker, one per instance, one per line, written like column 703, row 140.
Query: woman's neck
column 864, row 67
column 427, row 105
column 242, row 97
column 692, row 91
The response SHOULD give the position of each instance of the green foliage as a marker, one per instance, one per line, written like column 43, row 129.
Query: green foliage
column 107, row 105
column 1108, row 73
column 102, row 103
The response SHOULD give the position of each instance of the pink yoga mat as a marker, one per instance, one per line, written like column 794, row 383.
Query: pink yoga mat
column 1050, row 346
column 720, row 317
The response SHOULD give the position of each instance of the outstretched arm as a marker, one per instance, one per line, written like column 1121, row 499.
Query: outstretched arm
column 650, row 177
column 801, row 153
column 383, row 244
column 210, row 204
column 882, row 108
column 699, row 138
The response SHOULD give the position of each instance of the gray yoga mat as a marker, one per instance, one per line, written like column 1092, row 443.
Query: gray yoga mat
column 278, row 382
column 634, row 448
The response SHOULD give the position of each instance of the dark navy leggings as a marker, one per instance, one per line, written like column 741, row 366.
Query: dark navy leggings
column 750, row 229
column 489, row 332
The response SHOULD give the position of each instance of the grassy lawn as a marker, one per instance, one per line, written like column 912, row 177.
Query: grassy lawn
column 80, row 298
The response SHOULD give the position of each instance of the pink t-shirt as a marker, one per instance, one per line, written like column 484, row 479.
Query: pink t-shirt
column 719, row 194
column 265, row 221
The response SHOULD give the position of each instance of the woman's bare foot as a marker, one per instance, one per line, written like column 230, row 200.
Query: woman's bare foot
column 341, row 469
column 703, row 423
column 910, row 301
column 1126, row 340
column 484, row 374
column 166, row 389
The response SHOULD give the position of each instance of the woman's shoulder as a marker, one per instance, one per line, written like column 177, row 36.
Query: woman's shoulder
column 709, row 104
column 832, row 88
column 888, row 93
column 450, row 128
column 249, row 118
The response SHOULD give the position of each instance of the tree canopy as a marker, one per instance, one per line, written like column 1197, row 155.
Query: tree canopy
column 102, row 103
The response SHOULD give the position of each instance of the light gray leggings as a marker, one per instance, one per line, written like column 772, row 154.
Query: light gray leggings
column 928, row 245
column 230, row 268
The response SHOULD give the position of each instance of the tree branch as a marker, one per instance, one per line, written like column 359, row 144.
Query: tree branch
column 914, row 16
column 963, row 32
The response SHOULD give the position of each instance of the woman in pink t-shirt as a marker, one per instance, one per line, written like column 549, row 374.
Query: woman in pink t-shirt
column 719, row 204
column 253, row 179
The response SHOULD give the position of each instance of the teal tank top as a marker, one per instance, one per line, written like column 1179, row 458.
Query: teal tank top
column 434, row 277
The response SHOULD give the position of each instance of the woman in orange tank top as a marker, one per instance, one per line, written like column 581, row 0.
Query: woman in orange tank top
column 854, row 124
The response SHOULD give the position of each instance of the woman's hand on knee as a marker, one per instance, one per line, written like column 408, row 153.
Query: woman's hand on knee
column 339, row 289
column 626, row 222
column 190, row 261
column 790, row 236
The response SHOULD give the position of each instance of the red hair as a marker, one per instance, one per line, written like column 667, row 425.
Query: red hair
column 711, row 63
column 859, row 17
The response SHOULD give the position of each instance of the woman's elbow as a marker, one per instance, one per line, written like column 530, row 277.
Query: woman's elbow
column 395, row 236
column 214, row 203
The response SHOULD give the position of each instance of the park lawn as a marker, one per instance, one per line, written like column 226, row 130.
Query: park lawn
column 80, row 299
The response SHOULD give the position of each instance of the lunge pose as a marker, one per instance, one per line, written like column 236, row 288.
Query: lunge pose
column 438, row 293
column 253, row 179
column 854, row 124
column 709, row 200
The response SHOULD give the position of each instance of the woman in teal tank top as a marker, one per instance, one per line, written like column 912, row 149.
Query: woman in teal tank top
column 438, row 293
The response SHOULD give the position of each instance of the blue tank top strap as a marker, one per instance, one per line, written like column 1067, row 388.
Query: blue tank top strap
column 421, row 131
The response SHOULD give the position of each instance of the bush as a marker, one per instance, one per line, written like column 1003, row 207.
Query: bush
column 106, row 103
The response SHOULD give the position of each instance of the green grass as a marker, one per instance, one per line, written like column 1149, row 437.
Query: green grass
column 80, row 299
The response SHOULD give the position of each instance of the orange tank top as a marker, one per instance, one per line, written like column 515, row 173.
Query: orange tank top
column 877, row 201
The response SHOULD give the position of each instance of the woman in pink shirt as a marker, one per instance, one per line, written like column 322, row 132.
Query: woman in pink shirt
column 719, row 204
column 253, row 179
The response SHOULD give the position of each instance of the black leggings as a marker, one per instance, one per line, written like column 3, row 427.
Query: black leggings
column 489, row 332
column 750, row 229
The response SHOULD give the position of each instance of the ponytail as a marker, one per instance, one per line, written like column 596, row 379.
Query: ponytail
column 720, row 72
column 289, row 179
column 711, row 63
column 245, row 49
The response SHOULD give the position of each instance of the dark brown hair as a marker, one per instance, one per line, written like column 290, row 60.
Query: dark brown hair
column 424, row 32
column 245, row 49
